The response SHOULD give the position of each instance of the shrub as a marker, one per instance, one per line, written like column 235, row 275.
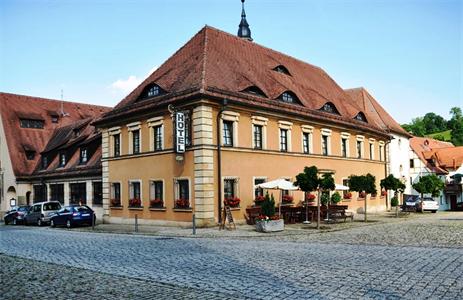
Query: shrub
column 268, row 206
column 325, row 198
column 394, row 201
column 336, row 198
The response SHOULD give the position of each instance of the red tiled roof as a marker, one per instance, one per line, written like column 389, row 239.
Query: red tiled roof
column 217, row 63
column 375, row 112
column 13, row 107
column 449, row 158
column 425, row 148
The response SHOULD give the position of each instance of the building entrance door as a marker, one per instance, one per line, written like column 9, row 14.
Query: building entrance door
column 453, row 202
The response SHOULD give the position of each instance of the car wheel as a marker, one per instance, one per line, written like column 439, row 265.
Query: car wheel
column 434, row 211
column 52, row 223
column 6, row 222
column 15, row 222
column 39, row 222
column 68, row 224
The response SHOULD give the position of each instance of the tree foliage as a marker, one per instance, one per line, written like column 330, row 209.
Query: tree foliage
column 308, row 180
column 392, row 183
column 363, row 183
column 456, row 125
column 429, row 184
column 268, row 206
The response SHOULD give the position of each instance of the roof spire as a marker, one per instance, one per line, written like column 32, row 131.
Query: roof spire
column 244, row 31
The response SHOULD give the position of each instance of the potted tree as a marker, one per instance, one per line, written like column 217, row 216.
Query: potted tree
column 268, row 221
column 394, row 184
column 363, row 184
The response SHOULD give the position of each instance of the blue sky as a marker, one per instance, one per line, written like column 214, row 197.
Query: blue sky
column 407, row 53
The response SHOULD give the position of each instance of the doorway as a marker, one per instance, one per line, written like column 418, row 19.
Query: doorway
column 453, row 202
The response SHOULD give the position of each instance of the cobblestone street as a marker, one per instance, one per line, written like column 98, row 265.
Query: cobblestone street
column 412, row 258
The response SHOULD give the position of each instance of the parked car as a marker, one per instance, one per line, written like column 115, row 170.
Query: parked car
column 73, row 215
column 428, row 204
column 16, row 215
column 40, row 213
column 410, row 202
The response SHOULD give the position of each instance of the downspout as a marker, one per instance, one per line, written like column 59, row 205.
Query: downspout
column 219, row 161
column 388, row 161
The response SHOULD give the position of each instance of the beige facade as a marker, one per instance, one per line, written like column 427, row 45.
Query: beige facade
column 240, row 162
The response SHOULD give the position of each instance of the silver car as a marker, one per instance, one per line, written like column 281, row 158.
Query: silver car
column 40, row 213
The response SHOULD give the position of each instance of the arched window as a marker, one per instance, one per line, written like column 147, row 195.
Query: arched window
column 329, row 108
column 281, row 69
column 289, row 97
column 255, row 91
column 361, row 117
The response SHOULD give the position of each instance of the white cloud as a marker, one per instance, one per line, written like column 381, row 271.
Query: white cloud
column 126, row 85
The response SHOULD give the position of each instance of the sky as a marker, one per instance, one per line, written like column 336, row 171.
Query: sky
column 406, row 53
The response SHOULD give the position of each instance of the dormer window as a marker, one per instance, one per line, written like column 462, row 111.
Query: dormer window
column 83, row 156
column 152, row 90
column 30, row 154
column 281, row 69
column 329, row 108
column 254, row 90
column 361, row 117
column 30, row 123
column 62, row 159
column 289, row 97
column 76, row 132
column 44, row 162
column 54, row 119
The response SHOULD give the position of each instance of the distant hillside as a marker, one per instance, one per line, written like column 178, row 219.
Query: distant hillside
column 442, row 136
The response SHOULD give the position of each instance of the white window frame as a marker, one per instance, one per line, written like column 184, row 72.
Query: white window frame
column 265, row 178
column 234, row 117
column 177, row 189
column 371, row 146
column 152, row 189
column 286, row 126
column 111, row 192
column 381, row 151
column 309, row 131
column 361, row 139
column 131, row 191
column 152, row 123
column 259, row 121
column 345, row 136
column 112, row 132
column 325, row 132
column 236, row 185
column 133, row 127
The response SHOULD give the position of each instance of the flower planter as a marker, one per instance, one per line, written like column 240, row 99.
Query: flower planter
column 270, row 225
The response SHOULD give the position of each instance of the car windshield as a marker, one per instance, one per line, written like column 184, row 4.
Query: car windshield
column 82, row 208
column 51, row 206
column 23, row 208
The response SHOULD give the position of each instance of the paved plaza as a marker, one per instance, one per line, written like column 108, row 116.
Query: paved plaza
column 412, row 258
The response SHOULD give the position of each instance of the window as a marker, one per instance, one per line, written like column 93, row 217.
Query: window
column 359, row 149
column 289, row 97
column 258, row 191
column 345, row 182
column 254, row 90
column 228, row 133
column 330, row 108
column 305, row 142
column 57, row 192
column 157, row 137
column 157, row 190
column 117, row 144
column 40, row 193
column 54, row 119
column 97, row 193
column 361, row 117
column 325, row 145
column 283, row 140
column 412, row 163
column 78, row 193
column 381, row 151
column 182, row 194
column 136, row 141
column 153, row 91
column 229, row 188
column 44, row 162
column 115, row 194
column 282, row 69
column 83, row 155
column 344, row 147
column 372, row 150
column 62, row 159
column 30, row 123
column 135, row 191
column 257, row 137
column 30, row 154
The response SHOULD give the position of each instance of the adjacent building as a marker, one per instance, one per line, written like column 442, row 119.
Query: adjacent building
column 49, row 151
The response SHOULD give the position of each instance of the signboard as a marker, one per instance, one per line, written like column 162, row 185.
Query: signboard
column 180, row 132
column 227, row 216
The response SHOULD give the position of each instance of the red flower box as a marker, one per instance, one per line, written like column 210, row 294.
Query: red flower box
column 115, row 202
column 287, row 199
column 135, row 202
column 362, row 195
column 232, row 201
column 348, row 195
column 182, row 203
column 310, row 197
column 383, row 193
column 259, row 199
column 156, row 202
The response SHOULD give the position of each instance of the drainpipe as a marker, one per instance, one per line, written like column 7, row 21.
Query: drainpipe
column 388, row 161
column 219, row 160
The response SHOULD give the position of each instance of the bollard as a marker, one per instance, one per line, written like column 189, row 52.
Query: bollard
column 136, row 223
column 194, row 224
column 93, row 221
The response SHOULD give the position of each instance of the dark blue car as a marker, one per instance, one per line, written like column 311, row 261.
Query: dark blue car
column 73, row 215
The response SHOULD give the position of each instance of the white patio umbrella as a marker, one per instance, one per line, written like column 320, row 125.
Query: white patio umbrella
column 340, row 187
column 278, row 184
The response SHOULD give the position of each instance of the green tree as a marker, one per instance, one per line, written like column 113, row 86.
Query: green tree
column 456, row 125
column 416, row 127
column 363, row 183
column 336, row 198
column 390, row 183
column 268, row 206
column 429, row 184
column 439, row 137
column 434, row 123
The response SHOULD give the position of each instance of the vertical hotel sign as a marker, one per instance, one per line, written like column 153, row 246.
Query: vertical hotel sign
column 180, row 132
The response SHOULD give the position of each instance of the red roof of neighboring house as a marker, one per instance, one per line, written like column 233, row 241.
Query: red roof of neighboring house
column 375, row 112
column 219, row 64
column 426, row 149
column 19, row 140
column 448, row 158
